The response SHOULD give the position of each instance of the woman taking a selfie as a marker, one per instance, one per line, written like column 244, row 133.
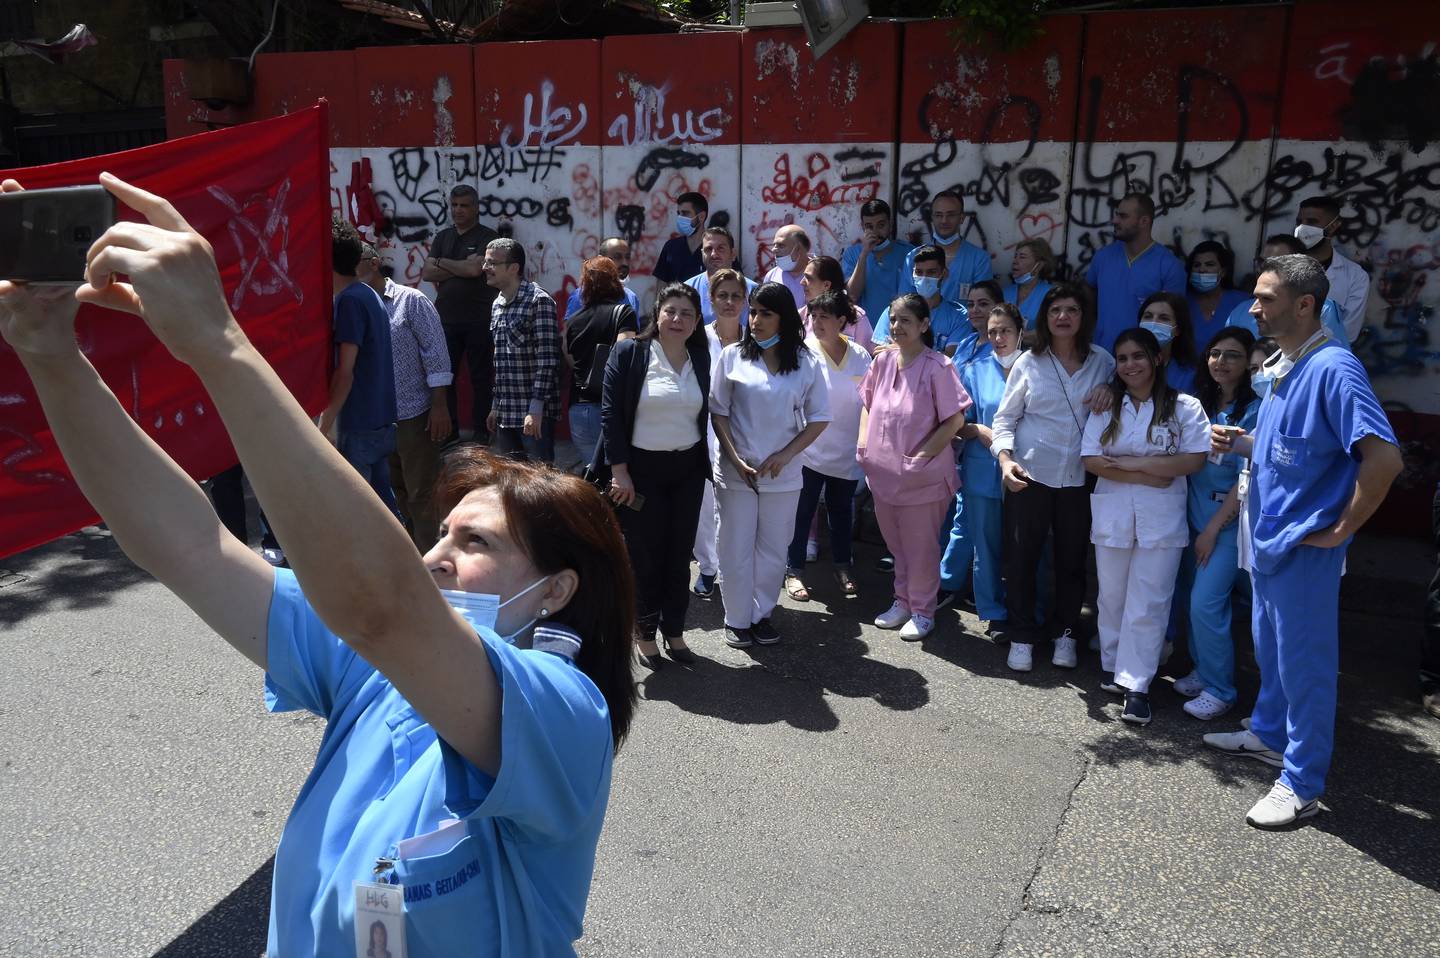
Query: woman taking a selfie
column 499, row 703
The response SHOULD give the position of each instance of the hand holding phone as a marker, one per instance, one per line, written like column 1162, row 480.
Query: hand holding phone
column 46, row 234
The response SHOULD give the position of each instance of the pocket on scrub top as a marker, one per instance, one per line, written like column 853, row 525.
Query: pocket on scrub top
column 1160, row 522
column 409, row 736
column 448, row 895
column 918, row 465
column 1112, row 518
column 1289, row 455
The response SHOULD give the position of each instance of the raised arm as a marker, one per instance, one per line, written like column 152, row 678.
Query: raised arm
column 353, row 561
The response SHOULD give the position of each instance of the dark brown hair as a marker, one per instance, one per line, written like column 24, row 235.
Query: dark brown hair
column 562, row 522
column 1182, row 344
column 600, row 282
column 1087, row 317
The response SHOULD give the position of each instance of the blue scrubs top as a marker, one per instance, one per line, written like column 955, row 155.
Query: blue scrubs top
column 1330, row 318
column 573, row 304
column 1203, row 330
column 701, row 284
column 1122, row 286
column 949, row 322
column 516, row 882
column 1030, row 309
column 984, row 380
column 969, row 348
column 1210, row 486
column 970, row 265
column 1180, row 376
column 883, row 281
column 1304, row 468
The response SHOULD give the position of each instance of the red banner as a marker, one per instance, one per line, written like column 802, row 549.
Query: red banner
column 260, row 193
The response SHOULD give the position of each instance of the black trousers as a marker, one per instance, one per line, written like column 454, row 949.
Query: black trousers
column 661, row 534
column 473, row 342
column 227, row 494
column 1430, row 649
column 1031, row 516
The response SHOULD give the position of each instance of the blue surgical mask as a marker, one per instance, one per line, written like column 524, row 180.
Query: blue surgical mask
column 1260, row 382
column 1022, row 280
column 1204, row 282
column 684, row 225
column 767, row 343
column 1163, row 332
column 481, row 609
column 943, row 240
column 926, row 286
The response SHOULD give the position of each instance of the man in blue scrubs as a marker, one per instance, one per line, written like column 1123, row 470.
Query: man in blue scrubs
column 875, row 267
column 965, row 263
column 718, row 252
column 1331, row 316
column 680, row 256
column 1323, row 457
column 949, row 322
column 617, row 251
column 1125, row 272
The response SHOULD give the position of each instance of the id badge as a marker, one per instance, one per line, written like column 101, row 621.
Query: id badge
column 379, row 920
column 1243, row 484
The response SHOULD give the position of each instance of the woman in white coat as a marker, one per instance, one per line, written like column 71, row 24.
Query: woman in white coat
column 1142, row 448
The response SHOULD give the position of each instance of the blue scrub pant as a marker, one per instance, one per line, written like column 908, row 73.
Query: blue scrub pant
column 1212, row 647
column 1297, row 646
column 985, row 531
column 959, row 555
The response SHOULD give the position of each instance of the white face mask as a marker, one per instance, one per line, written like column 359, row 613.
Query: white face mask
column 785, row 263
column 1312, row 236
column 1007, row 361
column 481, row 609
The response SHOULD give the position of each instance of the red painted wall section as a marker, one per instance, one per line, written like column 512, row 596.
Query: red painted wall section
column 538, row 94
column 284, row 83
column 671, row 89
column 1175, row 75
column 847, row 97
column 978, row 95
column 410, row 100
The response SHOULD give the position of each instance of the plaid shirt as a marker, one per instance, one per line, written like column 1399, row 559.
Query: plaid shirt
column 417, row 344
column 527, row 356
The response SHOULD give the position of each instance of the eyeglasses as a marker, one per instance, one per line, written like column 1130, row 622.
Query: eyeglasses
column 1227, row 355
column 728, row 297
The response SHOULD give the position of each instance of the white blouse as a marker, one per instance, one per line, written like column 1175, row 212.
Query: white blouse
column 1042, row 415
column 833, row 451
column 668, row 414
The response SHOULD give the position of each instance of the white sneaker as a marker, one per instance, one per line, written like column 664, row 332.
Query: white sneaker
column 917, row 628
column 812, row 550
column 1190, row 686
column 1247, row 743
column 1280, row 808
column 893, row 617
column 1064, row 656
column 1206, row 706
column 1021, row 657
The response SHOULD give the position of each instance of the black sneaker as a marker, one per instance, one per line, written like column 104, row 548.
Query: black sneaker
column 885, row 563
column 739, row 638
column 764, row 632
column 1108, row 684
column 1137, row 709
column 944, row 598
column 704, row 586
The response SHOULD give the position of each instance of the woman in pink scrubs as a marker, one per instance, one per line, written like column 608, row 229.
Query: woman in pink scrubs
column 914, row 405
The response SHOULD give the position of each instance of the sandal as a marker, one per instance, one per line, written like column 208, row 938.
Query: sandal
column 795, row 588
column 847, row 584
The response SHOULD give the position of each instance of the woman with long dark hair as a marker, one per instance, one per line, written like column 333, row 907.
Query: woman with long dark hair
column 768, row 402
column 489, row 681
column 1037, row 430
column 823, row 275
column 1210, row 269
column 1166, row 316
column 1142, row 449
column 654, row 409
column 1224, row 390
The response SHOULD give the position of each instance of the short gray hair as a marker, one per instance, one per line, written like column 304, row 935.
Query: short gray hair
column 511, row 250
column 1301, row 275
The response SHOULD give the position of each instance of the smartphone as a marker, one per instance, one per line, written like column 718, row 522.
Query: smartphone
column 637, row 502
column 45, row 234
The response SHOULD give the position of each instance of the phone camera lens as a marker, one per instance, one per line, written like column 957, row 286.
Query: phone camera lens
column 83, row 234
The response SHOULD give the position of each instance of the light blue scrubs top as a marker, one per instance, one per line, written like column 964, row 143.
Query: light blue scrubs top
column 516, row 881
column 969, row 348
column 1123, row 286
column 1030, row 309
column 883, row 281
column 1202, row 330
column 701, row 283
column 984, row 380
column 1210, row 486
column 573, row 304
column 1330, row 318
column 970, row 266
column 949, row 321
column 1180, row 376
column 1304, row 470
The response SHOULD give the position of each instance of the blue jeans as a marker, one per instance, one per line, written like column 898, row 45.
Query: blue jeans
column 585, row 429
column 368, row 450
column 511, row 442
column 839, row 506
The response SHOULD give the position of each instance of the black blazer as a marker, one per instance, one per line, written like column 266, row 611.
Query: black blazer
column 624, row 379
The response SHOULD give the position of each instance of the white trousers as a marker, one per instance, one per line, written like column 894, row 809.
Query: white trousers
column 755, row 531
column 705, row 554
column 1136, row 586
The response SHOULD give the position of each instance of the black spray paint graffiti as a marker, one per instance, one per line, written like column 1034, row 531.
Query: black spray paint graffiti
column 868, row 169
column 534, row 163
column 409, row 167
column 1395, row 101
column 663, row 158
column 630, row 222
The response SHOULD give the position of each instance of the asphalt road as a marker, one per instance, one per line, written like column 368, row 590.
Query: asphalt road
column 840, row 794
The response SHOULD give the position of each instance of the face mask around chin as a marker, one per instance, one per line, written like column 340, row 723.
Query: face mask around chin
column 1007, row 361
column 944, row 240
column 786, row 264
column 481, row 609
column 1022, row 280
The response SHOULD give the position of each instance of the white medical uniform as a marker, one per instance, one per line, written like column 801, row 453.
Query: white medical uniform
column 1139, row 534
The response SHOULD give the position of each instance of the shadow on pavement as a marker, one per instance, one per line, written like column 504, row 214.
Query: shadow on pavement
column 80, row 571
column 237, row 927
